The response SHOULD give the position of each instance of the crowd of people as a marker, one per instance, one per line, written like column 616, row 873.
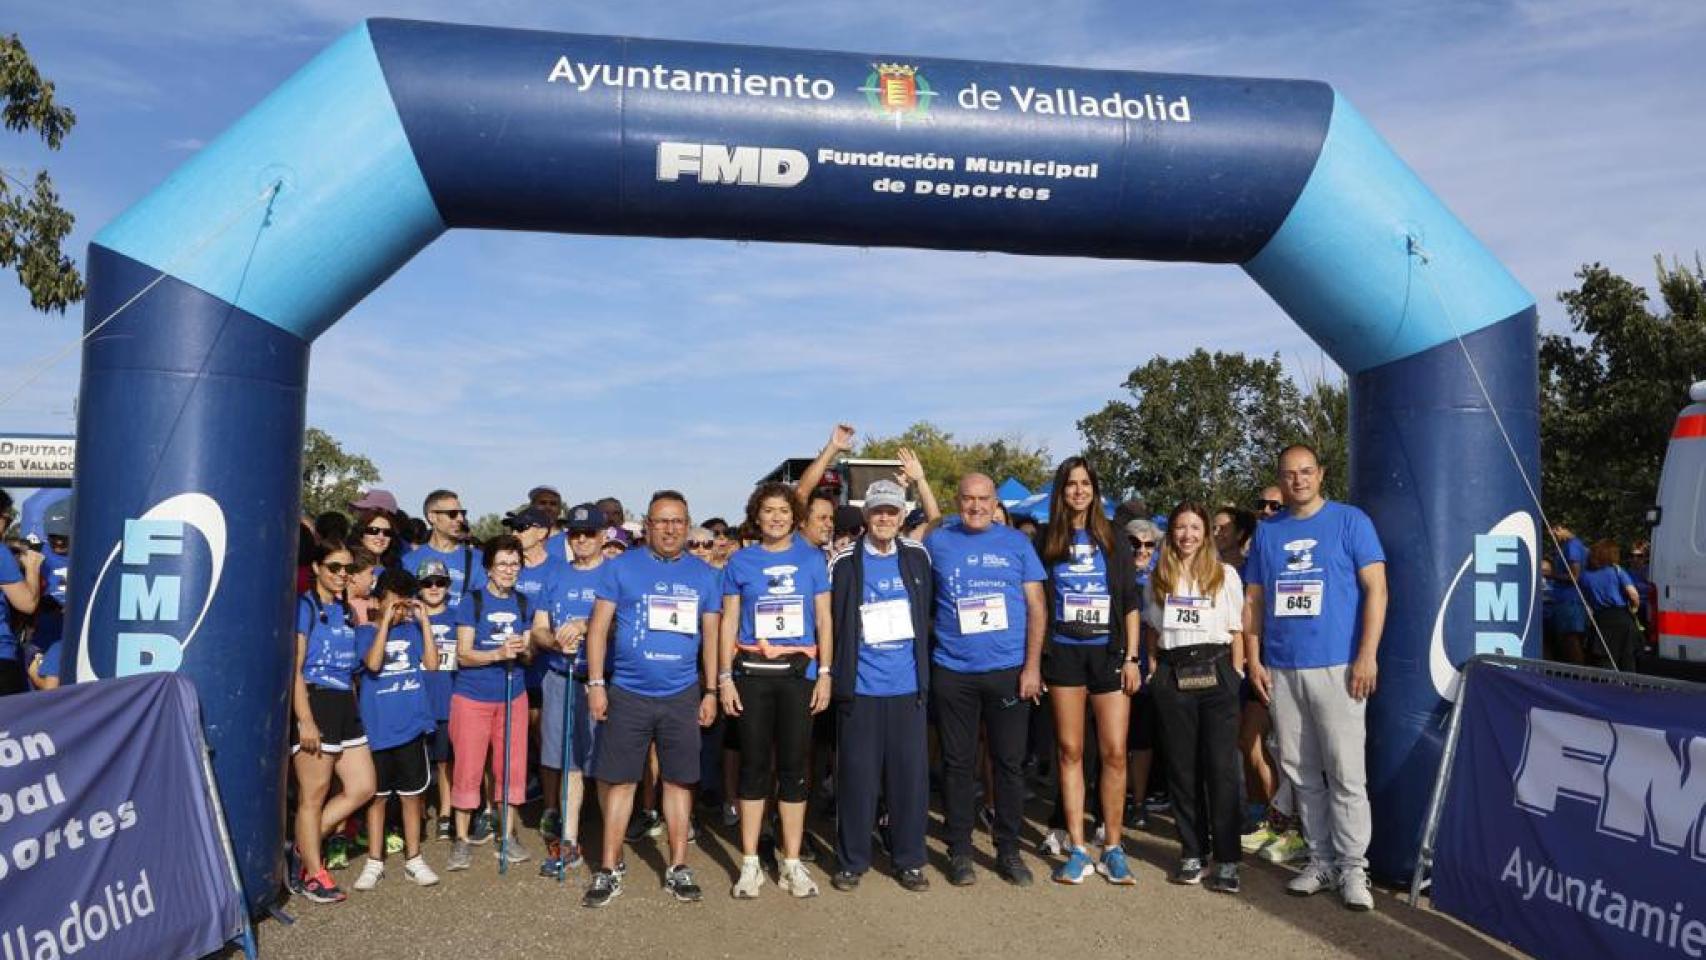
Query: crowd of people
column 849, row 663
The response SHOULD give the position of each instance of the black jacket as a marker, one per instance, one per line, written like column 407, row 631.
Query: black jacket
column 847, row 592
column 1124, row 594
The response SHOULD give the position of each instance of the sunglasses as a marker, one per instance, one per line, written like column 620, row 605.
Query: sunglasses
column 341, row 568
column 1269, row 505
column 458, row 514
column 1137, row 544
column 699, row 544
column 377, row 531
column 586, row 534
column 434, row 583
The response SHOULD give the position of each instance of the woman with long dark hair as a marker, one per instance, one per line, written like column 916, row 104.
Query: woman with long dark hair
column 1089, row 659
column 375, row 531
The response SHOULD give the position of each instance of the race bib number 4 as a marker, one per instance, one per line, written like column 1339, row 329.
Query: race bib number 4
column 1089, row 609
column 673, row 614
column 1186, row 613
column 781, row 619
column 986, row 614
column 887, row 621
column 1298, row 598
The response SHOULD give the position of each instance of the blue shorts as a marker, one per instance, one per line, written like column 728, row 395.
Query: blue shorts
column 551, row 725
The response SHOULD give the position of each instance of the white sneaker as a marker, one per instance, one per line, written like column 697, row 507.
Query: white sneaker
column 1100, row 837
column 1056, row 842
column 751, row 878
column 795, row 879
column 1353, row 889
column 370, row 874
column 418, row 871
column 1316, row 877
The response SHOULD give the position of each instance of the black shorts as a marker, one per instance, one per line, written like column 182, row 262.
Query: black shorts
column 634, row 722
column 1081, row 665
column 403, row 771
column 339, row 719
column 441, row 752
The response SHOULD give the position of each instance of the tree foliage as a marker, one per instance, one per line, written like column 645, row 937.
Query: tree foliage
column 33, row 225
column 946, row 459
column 1207, row 427
column 331, row 477
column 1609, row 392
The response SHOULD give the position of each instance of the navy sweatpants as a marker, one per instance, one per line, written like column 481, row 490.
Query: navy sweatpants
column 880, row 751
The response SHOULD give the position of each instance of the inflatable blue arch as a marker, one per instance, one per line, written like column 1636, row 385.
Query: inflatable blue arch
column 191, row 414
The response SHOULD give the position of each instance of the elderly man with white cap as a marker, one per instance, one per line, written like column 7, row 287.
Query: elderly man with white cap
column 880, row 601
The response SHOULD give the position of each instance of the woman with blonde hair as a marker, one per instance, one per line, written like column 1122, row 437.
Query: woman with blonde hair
column 1194, row 621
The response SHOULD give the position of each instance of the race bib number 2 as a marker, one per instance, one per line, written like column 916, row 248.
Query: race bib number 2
column 673, row 614
column 986, row 614
column 1298, row 598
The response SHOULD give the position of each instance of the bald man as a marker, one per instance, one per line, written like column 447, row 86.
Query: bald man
column 989, row 619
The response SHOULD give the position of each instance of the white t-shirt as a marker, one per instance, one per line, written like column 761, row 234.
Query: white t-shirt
column 1188, row 618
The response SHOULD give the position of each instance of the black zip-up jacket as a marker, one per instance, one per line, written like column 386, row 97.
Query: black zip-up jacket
column 1124, row 594
column 847, row 592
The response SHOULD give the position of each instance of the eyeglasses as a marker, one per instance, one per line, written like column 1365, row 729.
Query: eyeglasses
column 377, row 532
column 1137, row 544
column 1269, row 505
column 506, row 564
column 341, row 568
column 457, row 514
column 667, row 521
column 586, row 534
column 698, row 544
column 435, row 583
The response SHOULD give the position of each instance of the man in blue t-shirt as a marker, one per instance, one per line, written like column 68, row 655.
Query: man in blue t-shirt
column 1566, row 615
column 20, row 590
column 1315, row 605
column 655, row 622
column 990, row 617
column 448, row 543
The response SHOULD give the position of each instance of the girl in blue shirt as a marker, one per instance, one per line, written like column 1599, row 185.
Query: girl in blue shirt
column 327, row 735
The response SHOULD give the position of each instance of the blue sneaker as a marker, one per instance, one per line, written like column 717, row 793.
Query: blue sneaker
column 1114, row 867
column 1076, row 867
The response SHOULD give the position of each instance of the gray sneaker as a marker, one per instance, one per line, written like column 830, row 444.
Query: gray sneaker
column 1316, row 877
column 679, row 882
column 1354, row 890
column 516, row 852
column 461, row 856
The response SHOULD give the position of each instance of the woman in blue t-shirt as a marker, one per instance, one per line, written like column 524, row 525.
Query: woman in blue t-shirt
column 1612, row 602
column 775, row 654
column 327, row 735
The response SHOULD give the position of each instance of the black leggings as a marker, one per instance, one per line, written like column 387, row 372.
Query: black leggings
column 775, row 721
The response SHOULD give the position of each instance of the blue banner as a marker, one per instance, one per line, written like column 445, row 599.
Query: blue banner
column 109, row 845
column 1572, row 826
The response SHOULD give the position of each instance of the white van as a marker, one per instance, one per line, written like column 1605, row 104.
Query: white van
column 1678, row 569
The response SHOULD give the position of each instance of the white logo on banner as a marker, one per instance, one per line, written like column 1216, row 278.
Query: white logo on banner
column 741, row 166
column 1499, row 603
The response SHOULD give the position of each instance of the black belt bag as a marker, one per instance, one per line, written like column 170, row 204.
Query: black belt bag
column 1196, row 667
column 793, row 666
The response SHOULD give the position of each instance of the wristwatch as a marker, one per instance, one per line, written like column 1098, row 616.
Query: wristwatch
column 595, row 683
column 823, row 671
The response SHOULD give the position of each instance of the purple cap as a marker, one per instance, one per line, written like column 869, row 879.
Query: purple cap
column 376, row 499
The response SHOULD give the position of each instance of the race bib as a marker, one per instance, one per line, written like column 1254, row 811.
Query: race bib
column 1089, row 609
column 779, row 619
column 1186, row 613
column 446, row 643
column 887, row 621
column 1298, row 598
column 985, row 614
column 673, row 614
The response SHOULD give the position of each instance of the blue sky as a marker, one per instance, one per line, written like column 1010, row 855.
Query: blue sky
column 1561, row 132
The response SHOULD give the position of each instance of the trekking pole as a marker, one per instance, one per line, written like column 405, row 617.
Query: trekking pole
column 503, row 800
column 563, row 801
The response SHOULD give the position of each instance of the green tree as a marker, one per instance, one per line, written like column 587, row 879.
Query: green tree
column 332, row 477
column 946, row 459
column 487, row 527
column 33, row 225
column 1609, row 392
column 1207, row 427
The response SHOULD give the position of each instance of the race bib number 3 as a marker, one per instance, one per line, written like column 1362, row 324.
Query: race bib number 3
column 1186, row 613
column 888, row 621
column 986, row 614
column 1089, row 609
column 782, row 619
column 1298, row 598
column 673, row 614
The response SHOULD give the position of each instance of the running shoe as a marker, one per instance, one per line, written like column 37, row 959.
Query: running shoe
column 337, row 852
column 393, row 842
column 961, row 873
column 679, row 882
column 605, row 887
column 292, row 868
column 1258, row 838
column 552, row 867
column 845, row 880
column 1115, row 868
column 1188, row 873
column 1316, row 877
column 796, row 880
column 1354, row 889
column 513, row 850
column 1224, row 879
column 416, row 869
column 446, row 830
column 1284, row 848
column 461, row 856
column 371, row 871
column 913, row 880
column 751, row 879
column 320, row 888
column 1136, row 817
column 484, row 826
column 572, row 857
column 1076, row 868
column 1055, row 843
column 642, row 825
column 1012, row 869
column 1100, row 837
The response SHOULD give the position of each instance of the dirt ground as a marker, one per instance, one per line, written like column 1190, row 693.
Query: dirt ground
column 476, row 914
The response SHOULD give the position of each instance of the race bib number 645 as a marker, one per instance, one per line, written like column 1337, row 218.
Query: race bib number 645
column 1298, row 598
